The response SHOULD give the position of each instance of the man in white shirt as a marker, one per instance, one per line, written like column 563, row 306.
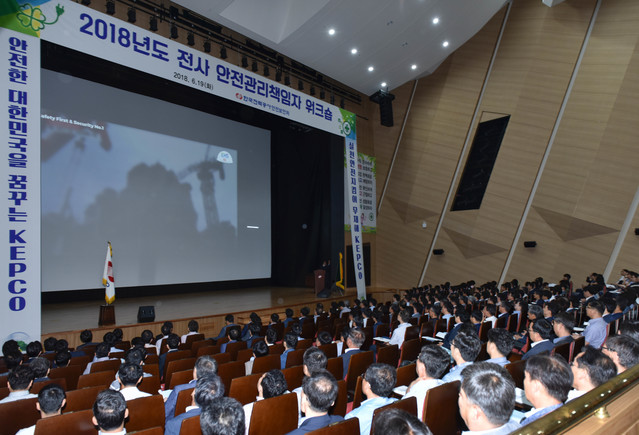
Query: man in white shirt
column 194, row 327
column 400, row 332
column 129, row 376
column 271, row 384
column 20, row 381
column 432, row 363
column 101, row 354
column 314, row 359
column 51, row 399
column 109, row 412
column 590, row 369
column 489, row 314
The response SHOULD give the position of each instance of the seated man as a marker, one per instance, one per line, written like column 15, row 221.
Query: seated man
column 260, row 349
column 353, row 339
column 51, row 399
column 464, row 350
column 596, row 331
column 487, row 398
column 229, row 320
column 271, row 384
column 562, row 326
column 86, row 338
column 101, row 354
column 207, row 390
column 253, row 332
column 616, row 308
column 500, row 344
column 109, row 412
column 547, row 380
column 489, row 314
column 540, row 333
column 378, row 383
column 323, row 337
column 173, row 342
column 20, row 381
column 129, row 376
column 590, row 369
column 399, row 422
column 432, row 363
column 234, row 335
column 41, row 367
column 34, row 350
column 623, row 350
column 314, row 359
column 133, row 356
column 397, row 337
column 62, row 359
column 167, row 328
column 194, row 327
column 461, row 317
column 204, row 366
column 290, row 343
column 223, row 417
column 319, row 392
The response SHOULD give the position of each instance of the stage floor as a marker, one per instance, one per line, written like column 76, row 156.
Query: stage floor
column 80, row 315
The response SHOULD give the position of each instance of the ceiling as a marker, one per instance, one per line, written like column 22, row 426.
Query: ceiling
column 397, row 38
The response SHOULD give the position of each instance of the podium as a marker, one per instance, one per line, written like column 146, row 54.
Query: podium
column 320, row 277
column 107, row 315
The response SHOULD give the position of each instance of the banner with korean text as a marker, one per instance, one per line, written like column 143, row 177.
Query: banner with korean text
column 367, row 170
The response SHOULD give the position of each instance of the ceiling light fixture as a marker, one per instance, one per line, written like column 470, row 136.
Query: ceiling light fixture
column 353, row 50
column 371, row 69
column 413, row 66
column 445, row 43
column 384, row 84
column 331, row 31
column 436, row 20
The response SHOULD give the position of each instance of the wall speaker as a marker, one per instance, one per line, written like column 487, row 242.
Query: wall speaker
column 636, row 231
column 146, row 314
column 438, row 252
column 530, row 244
column 385, row 101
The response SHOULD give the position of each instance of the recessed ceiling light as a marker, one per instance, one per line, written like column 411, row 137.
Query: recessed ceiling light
column 331, row 31
column 413, row 66
column 371, row 68
column 384, row 84
column 445, row 43
column 353, row 50
column 435, row 20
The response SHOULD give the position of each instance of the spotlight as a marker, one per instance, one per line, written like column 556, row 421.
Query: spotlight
column 254, row 66
column 131, row 18
column 300, row 85
column 312, row 90
column 110, row 7
column 190, row 39
column 153, row 24
column 266, row 71
column 174, row 31
column 278, row 75
column 322, row 94
column 207, row 46
column 332, row 98
column 341, row 103
column 244, row 62
column 223, row 54
column 86, row 2
column 287, row 80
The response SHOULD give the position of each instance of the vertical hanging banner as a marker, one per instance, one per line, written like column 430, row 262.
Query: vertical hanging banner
column 352, row 196
column 20, row 173
column 367, row 170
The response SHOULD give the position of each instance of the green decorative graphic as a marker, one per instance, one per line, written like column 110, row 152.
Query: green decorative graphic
column 26, row 18
column 34, row 18
column 347, row 124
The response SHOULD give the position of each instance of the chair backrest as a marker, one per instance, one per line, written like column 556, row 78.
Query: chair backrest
column 177, row 366
column 196, row 345
column 183, row 400
column 102, row 366
column 345, row 427
column 564, row 350
column 441, row 411
column 409, row 405
column 368, row 337
column 174, row 356
column 158, row 430
column 37, row 386
column 383, row 330
column 483, row 353
column 423, row 319
column 190, row 426
column 578, row 345
column 410, row 350
column 304, row 344
column 406, row 374
column 308, row 328
column 150, row 384
column 388, row 355
column 145, row 413
column 244, row 355
column 295, row 358
column 358, row 396
column 294, row 377
column 336, row 367
column 276, row 349
column 79, row 400
column 501, row 321
column 279, row 328
column 206, row 350
column 330, row 350
column 513, row 323
column 233, row 348
column 152, row 369
column 102, row 379
column 222, row 358
column 339, row 408
column 229, row 371
column 18, row 414
column 441, row 326
column 152, row 359
column 274, row 415
column 516, row 370
column 244, row 389
column 69, row 373
column 483, row 331
column 179, row 378
column 265, row 363
column 190, row 339
column 79, row 423
column 356, row 366
column 412, row 332
column 427, row 329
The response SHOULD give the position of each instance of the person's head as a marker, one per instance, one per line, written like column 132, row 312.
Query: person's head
column 254, row 329
column 275, row 318
column 118, row 334
column 594, row 309
column 109, row 411
column 461, row 315
column 404, row 316
column 314, row 359
column 271, row 336
column 225, row 416
column 379, row 380
column 86, row 336
column 272, row 384
column 62, row 358
column 207, row 389
column 500, row 342
column 147, row 336
column 476, row 317
column 234, row 334
column 34, row 349
column 12, row 359
column 305, row 311
column 109, row 338
column 102, row 350
column 135, row 356
column 487, row 396
column 623, row 350
column 433, row 361
column 167, row 328
column 399, row 422
column 173, row 341
column 289, row 313
column 629, row 328
column 10, row 346
column 324, row 337
column 290, row 340
column 51, row 399
column 49, row 344
column 20, row 378
column 193, row 326
column 466, row 346
column 489, row 310
column 130, row 375
column 535, row 312
column 547, row 376
column 260, row 349
column 296, row 329
column 61, row 345
column 319, row 392
column 592, row 368
column 229, row 319
column 354, row 337
column 204, row 366
column 40, row 367
column 562, row 324
column 539, row 330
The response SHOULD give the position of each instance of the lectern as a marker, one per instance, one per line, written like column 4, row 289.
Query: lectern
column 320, row 276
column 107, row 315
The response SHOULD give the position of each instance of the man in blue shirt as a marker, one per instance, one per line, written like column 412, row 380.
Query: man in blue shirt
column 597, row 329
column 319, row 392
column 290, row 343
column 464, row 350
column 204, row 366
column 500, row 344
column 206, row 391
column 229, row 321
column 378, row 383
column 547, row 381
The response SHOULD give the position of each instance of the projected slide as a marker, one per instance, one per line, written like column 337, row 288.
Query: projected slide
column 183, row 196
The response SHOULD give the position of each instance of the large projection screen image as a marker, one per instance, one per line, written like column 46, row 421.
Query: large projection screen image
column 183, row 196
